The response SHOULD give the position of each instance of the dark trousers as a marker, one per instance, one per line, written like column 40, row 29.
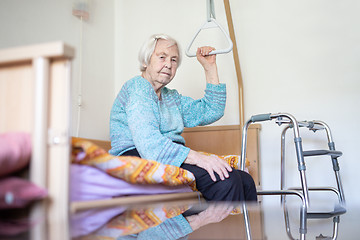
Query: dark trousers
column 239, row 186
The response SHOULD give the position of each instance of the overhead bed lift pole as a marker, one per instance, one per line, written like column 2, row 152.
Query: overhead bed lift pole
column 212, row 23
column 236, row 62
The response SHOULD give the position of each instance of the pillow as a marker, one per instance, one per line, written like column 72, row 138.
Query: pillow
column 18, row 193
column 15, row 152
column 232, row 160
column 131, row 169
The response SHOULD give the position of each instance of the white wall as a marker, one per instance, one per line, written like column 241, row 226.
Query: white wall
column 296, row 57
column 303, row 58
column 179, row 19
column 30, row 22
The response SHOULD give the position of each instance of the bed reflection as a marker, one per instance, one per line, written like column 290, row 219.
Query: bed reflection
column 156, row 221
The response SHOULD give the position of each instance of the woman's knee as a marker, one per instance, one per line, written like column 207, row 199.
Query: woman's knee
column 249, row 186
column 229, row 189
column 234, row 177
column 236, row 187
column 246, row 177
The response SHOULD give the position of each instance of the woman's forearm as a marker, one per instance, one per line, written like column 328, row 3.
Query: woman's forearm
column 211, row 75
column 209, row 64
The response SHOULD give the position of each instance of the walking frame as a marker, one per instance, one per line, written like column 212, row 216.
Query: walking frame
column 303, row 191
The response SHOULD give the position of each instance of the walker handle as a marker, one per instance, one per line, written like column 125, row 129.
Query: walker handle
column 261, row 117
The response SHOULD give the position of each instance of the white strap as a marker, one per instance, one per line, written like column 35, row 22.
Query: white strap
column 211, row 23
column 210, row 10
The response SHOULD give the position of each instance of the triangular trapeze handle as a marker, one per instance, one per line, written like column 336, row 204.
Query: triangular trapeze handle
column 211, row 23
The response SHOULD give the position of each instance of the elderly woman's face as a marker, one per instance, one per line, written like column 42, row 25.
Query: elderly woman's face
column 163, row 64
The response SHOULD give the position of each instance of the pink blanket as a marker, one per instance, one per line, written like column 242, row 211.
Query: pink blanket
column 15, row 151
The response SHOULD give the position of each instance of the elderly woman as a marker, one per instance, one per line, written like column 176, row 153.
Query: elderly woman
column 147, row 120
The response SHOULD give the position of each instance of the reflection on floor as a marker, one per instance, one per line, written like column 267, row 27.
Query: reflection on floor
column 172, row 220
column 232, row 227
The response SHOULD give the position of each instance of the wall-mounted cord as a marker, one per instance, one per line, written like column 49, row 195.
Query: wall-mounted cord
column 79, row 100
column 80, row 10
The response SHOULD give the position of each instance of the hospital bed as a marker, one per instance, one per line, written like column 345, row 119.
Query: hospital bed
column 35, row 98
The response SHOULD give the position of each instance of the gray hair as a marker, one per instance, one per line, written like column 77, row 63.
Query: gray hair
column 148, row 48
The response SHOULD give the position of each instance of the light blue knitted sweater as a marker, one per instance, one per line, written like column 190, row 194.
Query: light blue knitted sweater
column 173, row 228
column 140, row 120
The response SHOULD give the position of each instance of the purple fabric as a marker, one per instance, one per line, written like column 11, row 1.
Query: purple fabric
column 89, row 183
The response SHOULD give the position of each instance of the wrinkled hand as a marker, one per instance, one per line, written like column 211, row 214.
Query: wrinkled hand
column 213, row 214
column 206, row 60
column 212, row 164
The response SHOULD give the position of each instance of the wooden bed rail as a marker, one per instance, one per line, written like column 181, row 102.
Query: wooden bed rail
column 35, row 98
column 221, row 140
column 133, row 200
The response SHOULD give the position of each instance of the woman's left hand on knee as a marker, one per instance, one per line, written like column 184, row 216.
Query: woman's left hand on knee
column 212, row 164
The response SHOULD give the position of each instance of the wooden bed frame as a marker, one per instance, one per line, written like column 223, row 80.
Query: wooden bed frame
column 35, row 98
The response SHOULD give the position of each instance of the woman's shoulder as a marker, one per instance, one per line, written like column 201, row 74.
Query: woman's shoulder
column 137, row 81
column 139, row 86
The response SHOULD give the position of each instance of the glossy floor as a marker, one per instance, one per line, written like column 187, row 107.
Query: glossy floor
column 177, row 220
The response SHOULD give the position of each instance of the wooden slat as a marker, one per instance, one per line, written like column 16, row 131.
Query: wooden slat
column 59, row 149
column 27, row 53
column 17, row 98
column 236, row 62
column 131, row 200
